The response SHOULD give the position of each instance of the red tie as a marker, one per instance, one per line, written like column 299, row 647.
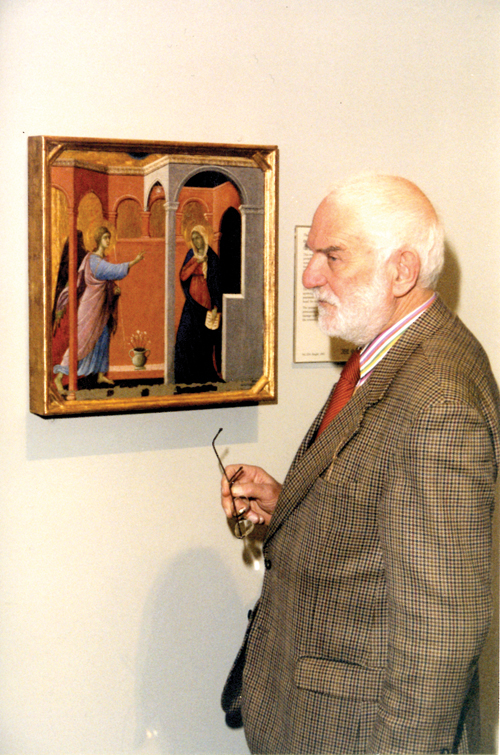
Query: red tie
column 343, row 390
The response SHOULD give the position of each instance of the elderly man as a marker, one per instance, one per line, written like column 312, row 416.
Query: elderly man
column 376, row 597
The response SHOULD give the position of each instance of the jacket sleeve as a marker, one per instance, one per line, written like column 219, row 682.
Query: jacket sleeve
column 435, row 530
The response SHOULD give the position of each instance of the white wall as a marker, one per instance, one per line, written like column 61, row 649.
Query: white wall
column 123, row 596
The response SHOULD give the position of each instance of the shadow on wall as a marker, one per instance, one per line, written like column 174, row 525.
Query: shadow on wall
column 449, row 282
column 76, row 437
column 186, row 649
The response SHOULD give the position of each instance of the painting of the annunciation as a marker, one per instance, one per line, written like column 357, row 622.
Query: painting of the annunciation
column 152, row 275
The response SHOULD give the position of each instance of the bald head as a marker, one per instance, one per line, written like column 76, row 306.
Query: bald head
column 394, row 214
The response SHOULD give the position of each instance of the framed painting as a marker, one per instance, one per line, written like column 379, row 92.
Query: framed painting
column 152, row 273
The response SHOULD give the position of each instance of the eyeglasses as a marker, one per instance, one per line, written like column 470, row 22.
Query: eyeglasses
column 242, row 527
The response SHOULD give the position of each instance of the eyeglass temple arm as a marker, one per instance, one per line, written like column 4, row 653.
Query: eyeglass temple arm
column 238, row 472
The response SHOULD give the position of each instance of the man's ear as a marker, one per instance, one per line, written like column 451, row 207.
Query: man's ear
column 406, row 267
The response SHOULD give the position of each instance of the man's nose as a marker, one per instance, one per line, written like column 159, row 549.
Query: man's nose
column 313, row 276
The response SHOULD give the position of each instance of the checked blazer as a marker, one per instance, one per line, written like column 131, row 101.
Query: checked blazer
column 376, row 597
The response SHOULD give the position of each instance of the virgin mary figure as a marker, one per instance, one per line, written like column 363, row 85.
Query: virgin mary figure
column 197, row 345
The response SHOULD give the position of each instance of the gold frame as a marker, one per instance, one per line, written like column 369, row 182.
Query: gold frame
column 255, row 165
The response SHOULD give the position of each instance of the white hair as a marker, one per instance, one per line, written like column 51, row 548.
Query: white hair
column 396, row 214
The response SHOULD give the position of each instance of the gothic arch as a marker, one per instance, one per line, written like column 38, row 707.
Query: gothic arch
column 128, row 218
column 212, row 169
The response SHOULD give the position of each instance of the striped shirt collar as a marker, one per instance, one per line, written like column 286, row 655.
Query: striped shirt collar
column 374, row 352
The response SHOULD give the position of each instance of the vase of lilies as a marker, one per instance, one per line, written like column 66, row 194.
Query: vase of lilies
column 139, row 352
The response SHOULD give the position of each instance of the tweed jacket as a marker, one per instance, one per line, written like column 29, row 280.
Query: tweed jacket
column 376, row 596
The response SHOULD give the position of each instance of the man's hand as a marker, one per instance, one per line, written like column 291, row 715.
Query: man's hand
column 255, row 490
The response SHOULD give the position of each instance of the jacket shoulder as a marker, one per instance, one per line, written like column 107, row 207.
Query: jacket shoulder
column 447, row 364
column 456, row 361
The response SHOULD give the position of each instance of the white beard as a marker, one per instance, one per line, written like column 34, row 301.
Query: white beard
column 359, row 319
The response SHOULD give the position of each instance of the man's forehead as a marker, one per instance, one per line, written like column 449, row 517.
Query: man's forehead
column 334, row 227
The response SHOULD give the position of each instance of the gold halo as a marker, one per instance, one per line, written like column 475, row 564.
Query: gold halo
column 208, row 230
column 89, row 235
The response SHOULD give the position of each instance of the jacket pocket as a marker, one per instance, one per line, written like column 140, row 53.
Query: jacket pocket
column 343, row 680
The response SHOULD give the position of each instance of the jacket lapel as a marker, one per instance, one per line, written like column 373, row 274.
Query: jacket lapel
column 313, row 457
